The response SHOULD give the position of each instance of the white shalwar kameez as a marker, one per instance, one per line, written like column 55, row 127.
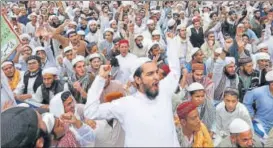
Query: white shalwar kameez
column 146, row 122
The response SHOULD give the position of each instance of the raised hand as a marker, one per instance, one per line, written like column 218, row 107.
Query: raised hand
column 104, row 70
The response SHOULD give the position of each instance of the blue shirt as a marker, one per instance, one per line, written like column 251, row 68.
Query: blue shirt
column 264, row 104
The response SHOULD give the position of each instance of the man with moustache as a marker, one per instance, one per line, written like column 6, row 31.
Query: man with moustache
column 94, row 35
column 240, row 135
column 148, row 110
column 248, row 77
column 224, row 76
column 151, row 27
column 138, row 45
column 256, row 24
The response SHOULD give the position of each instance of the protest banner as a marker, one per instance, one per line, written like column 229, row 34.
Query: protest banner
column 9, row 39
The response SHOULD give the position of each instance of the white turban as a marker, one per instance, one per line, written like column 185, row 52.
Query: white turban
column 6, row 63
column 269, row 76
column 49, row 120
column 229, row 60
column 50, row 70
column 25, row 35
column 262, row 45
column 262, row 56
column 56, row 106
column 238, row 126
column 79, row 58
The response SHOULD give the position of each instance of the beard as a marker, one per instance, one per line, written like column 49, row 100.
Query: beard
column 93, row 31
column 230, row 76
column 83, row 27
column 246, row 73
column 257, row 17
column 151, row 95
column 140, row 45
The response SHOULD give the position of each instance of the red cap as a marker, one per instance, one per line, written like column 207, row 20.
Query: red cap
column 123, row 41
column 165, row 68
column 184, row 109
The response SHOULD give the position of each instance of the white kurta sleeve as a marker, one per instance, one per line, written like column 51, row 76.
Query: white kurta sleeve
column 85, row 136
column 94, row 110
column 217, row 71
column 169, row 84
column 38, row 95
column 20, row 87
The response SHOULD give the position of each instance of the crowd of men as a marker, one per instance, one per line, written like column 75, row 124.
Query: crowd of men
column 138, row 73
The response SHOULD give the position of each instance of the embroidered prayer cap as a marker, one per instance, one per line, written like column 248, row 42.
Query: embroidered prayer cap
column 218, row 50
column 78, row 58
column 138, row 63
column 238, row 125
column 137, row 35
column 92, row 22
column 7, row 62
column 269, row 76
column 25, row 36
column 229, row 60
column 80, row 32
column 109, row 30
column 49, row 120
column 179, row 27
column 184, row 109
column 112, row 96
column 123, row 41
column 197, row 66
column 156, row 32
column 195, row 86
column 93, row 56
column 152, row 44
column 165, row 68
column 39, row 48
column 261, row 46
column 194, row 50
column 50, row 70
column 19, row 127
column 245, row 60
column 262, row 56
column 149, row 22
column 171, row 22
column 68, row 48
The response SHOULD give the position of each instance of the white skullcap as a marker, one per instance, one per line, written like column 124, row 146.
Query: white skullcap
column 179, row 27
column 152, row 44
column 262, row 56
column 149, row 22
column 240, row 25
column 50, row 70
column 33, row 14
column 68, row 48
column 238, row 126
column 81, row 32
column 156, row 32
column 229, row 60
column 78, row 58
column 39, row 48
column 194, row 50
column 262, row 45
column 137, row 35
column 155, row 11
column 109, row 30
column 269, row 76
column 112, row 21
column 92, row 56
column 25, row 35
column 69, row 30
column 219, row 50
column 92, row 22
column 73, row 23
column 195, row 86
column 171, row 22
column 76, row 9
column 6, row 63
column 138, row 63
column 49, row 120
